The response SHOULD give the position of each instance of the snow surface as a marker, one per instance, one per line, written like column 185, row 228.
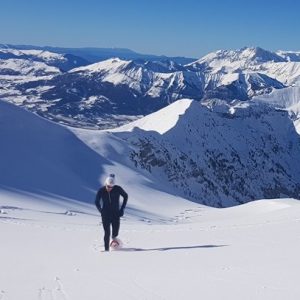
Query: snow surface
column 53, row 250
column 52, row 243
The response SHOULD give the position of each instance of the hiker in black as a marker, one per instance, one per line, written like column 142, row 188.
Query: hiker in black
column 108, row 203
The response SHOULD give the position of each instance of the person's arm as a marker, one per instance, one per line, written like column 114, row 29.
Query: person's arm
column 97, row 201
column 125, row 199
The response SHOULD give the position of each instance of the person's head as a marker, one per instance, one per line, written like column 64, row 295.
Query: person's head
column 110, row 181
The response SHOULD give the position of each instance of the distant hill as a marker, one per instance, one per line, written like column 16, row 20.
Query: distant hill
column 94, row 54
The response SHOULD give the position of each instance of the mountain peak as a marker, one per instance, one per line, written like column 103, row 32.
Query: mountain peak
column 113, row 64
column 259, row 54
column 162, row 120
column 244, row 56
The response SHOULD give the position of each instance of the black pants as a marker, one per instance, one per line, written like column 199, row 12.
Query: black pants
column 108, row 221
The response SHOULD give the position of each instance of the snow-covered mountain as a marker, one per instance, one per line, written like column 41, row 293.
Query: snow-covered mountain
column 234, row 60
column 279, row 66
column 289, row 55
column 161, row 80
column 24, row 67
column 107, row 93
column 222, row 154
column 64, row 62
column 287, row 99
column 115, row 91
column 213, row 153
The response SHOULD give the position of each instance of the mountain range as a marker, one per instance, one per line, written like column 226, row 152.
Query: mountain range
column 110, row 93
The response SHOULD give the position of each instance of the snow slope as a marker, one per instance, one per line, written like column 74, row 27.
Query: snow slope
column 24, row 67
column 39, row 157
column 51, row 243
column 246, row 252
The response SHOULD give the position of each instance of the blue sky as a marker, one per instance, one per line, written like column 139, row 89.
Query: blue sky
column 176, row 28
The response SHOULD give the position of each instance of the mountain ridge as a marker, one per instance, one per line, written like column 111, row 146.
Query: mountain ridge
column 216, row 150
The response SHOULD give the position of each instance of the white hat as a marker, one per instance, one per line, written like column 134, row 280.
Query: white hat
column 110, row 180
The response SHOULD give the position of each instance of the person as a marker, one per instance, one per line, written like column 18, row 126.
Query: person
column 108, row 204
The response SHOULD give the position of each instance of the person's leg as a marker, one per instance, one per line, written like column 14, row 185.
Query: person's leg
column 115, row 226
column 106, row 227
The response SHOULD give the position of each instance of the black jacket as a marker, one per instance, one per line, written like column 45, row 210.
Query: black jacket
column 108, row 203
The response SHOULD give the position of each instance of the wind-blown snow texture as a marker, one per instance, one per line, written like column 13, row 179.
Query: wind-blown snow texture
column 115, row 91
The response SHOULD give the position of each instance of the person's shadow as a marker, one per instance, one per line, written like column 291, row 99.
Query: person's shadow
column 172, row 248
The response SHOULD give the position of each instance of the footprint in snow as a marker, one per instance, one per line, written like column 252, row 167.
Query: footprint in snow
column 2, row 295
column 56, row 293
column 70, row 213
column 59, row 291
column 45, row 294
column 96, row 245
column 145, row 220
